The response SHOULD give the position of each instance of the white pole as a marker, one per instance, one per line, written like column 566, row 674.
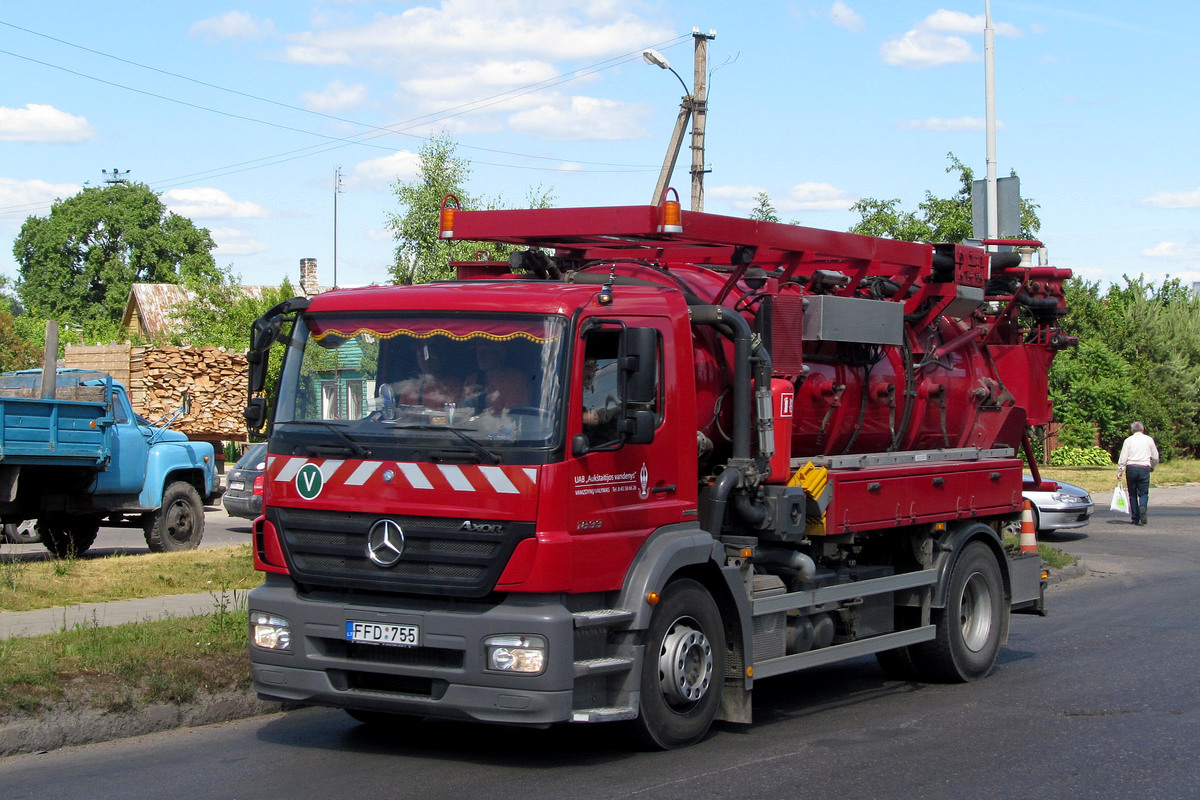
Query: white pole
column 989, row 77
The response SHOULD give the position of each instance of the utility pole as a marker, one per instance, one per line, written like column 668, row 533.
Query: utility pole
column 699, row 113
column 989, row 78
column 116, row 176
column 337, row 189
column 694, row 106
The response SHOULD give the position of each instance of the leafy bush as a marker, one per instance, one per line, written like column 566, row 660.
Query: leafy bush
column 1072, row 456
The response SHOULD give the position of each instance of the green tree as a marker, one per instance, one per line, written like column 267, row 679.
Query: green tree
column 17, row 351
column 937, row 219
column 421, row 255
column 76, row 264
column 763, row 210
column 220, row 312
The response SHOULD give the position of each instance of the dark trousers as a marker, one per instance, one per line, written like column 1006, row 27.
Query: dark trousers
column 1138, row 479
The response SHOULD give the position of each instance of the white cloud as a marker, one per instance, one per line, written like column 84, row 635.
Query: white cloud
column 379, row 172
column 232, row 25
column 42, row 123
column 945, row 21
column 809, row 196
column 207, row 203
column 30, row 198
column 816, row 197
column 1173, row 200
column 952, row 125
column 337, row 96
column 1174, row 251
column 463, row 52
column 936, row 41
column 844, row 16
column 236, row 242
column 583, row 118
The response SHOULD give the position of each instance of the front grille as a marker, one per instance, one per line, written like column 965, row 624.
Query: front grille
column 329, row 549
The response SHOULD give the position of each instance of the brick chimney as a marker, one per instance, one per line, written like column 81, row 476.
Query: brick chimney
column 309, row 285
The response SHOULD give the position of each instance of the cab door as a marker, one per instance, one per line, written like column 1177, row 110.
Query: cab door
column 624, row 489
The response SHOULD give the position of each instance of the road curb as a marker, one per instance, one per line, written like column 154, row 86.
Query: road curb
column 62, row 726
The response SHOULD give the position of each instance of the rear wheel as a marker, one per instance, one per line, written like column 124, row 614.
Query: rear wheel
column 683, row 669
column 68, row 537
column 22, row 532
column 971, row 626
column 178, row 524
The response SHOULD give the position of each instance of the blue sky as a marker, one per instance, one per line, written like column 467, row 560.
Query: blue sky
column 241, row 114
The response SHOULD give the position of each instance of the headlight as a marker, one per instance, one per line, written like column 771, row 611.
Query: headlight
column 514, row 653
column 270, row 632
column 1068, row 498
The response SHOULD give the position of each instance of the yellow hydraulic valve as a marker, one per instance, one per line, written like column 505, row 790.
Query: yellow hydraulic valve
column 815, row 482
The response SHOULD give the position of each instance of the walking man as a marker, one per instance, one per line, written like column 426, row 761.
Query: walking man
column 1139, row 456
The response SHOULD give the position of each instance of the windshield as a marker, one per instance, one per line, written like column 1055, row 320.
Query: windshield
column 372, row 383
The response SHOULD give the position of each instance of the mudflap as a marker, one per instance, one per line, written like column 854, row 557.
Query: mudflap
column 1026, row 575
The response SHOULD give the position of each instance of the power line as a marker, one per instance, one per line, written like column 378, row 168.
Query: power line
column 373, row 130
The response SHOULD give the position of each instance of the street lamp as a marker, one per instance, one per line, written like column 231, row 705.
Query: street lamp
column 657, row 59
column 693, row 106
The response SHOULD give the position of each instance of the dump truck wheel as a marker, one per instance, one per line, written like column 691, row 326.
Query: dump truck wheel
column 971, row 626
column 68, row 537
column 179, row 523
column 683, row 669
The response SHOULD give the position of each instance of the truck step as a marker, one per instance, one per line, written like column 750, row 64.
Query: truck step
column 603, row 714
column 601, row 666
column 602, row 617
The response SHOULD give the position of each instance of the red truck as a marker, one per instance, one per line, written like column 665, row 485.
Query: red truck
column 650, row 458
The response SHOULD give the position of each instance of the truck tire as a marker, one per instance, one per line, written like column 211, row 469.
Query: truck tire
column 22, row 532
column 683, row 669
column 68, row 537
column 178, row 524
column 970, row 627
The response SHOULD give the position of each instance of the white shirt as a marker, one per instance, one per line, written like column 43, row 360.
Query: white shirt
column 1138, row 450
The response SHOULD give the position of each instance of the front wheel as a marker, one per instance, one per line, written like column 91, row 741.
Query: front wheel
column 178, row 524
column 971, row 626
column 683, row 669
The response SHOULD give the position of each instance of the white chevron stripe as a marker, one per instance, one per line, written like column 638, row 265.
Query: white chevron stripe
column 290, row 469
column 363, row 473
column 415, row 476
column 499, row 481
column 458, row 481
column 328, row 468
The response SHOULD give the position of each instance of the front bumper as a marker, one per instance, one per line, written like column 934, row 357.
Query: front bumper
column 444, row 677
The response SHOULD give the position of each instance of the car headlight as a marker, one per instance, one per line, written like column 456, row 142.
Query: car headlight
column 516, row 653
column 270, row 632
column 1059, row 497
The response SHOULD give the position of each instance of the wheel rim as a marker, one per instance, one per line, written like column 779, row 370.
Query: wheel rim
column 685, row 663
column 976, row 612
column 179, row 522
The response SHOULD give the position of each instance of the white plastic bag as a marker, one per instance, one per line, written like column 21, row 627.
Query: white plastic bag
column 1120, row 500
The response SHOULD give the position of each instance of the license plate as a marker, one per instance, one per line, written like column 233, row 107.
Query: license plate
column 237, row 486
column 378, row 633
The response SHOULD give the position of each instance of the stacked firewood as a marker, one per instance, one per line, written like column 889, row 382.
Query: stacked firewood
column 214, row 379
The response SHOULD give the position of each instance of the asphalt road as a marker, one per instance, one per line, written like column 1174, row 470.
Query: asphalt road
column 220, row 530
column 1101, row 699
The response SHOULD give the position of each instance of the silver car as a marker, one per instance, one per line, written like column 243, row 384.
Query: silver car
column 1058, row 505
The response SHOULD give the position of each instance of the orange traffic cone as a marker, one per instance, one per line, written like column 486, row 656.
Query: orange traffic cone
column 1028, row 532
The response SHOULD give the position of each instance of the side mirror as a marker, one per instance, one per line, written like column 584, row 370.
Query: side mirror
column 640, row 365
column 639, row 426
column 255, row 413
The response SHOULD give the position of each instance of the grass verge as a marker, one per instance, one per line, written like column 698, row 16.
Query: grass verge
column 1175, row 472
column 31, row 584
column 127, row 666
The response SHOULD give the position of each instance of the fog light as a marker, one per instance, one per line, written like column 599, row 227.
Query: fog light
column 525, row 654
column 270, row 632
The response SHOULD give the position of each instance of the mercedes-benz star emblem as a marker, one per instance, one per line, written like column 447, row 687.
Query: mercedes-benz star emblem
column 385, row 543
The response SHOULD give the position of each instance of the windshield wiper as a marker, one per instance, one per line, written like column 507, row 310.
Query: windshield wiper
column 355, row 448
column 489, row 455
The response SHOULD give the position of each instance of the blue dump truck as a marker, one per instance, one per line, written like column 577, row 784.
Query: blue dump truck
column 78, row 457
